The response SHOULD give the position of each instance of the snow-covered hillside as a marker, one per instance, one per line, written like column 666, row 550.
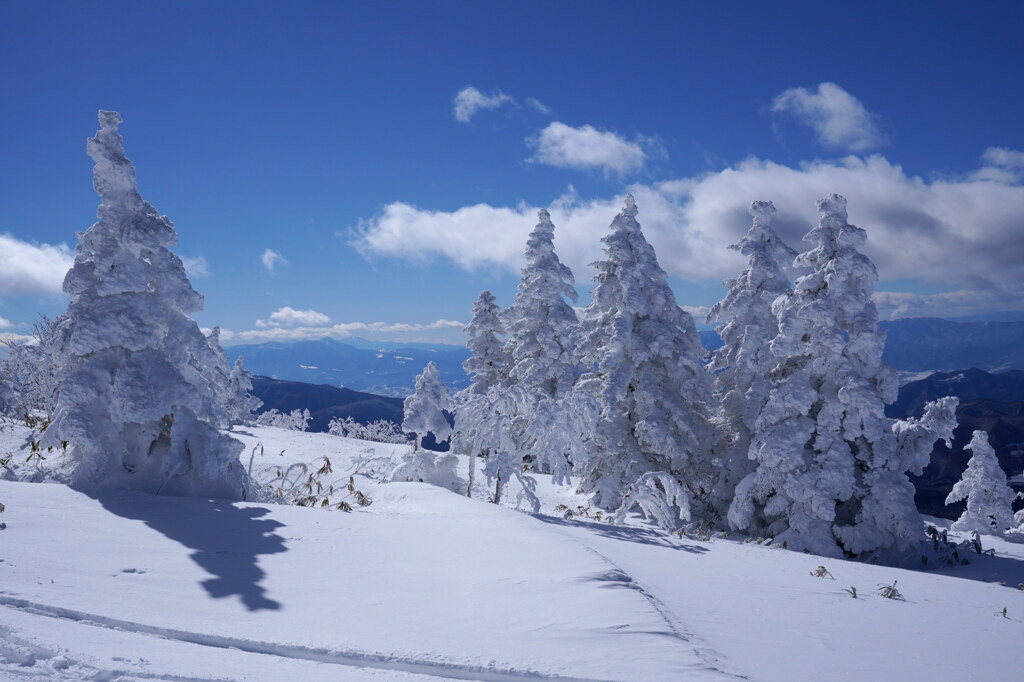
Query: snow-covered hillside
column 426, row 584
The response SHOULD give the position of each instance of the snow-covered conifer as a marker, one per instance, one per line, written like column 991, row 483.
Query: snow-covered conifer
column 539, row 321
column 296, row 420
column 742, row 364
column 983, row 485
column 487, row 369
column 132, row 400
column 650, row 387
column 540, row 351
column 486, row 365
column 829, row 478
column 243, row 404
column 424, row 409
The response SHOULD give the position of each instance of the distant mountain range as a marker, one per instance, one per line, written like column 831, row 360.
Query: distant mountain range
column 913, row 345
column 384, row 369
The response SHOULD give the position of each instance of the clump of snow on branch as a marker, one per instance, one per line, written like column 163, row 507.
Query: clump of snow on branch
column 136, row 400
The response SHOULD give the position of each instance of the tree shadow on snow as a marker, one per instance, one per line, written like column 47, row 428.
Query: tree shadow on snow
column 227, row 538
column 646, row 536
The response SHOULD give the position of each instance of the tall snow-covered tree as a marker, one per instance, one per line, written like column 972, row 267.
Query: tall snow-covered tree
column 133, row 400
column 742, row 364
column 540, row 351
column 424, row 409
column 983, row 485
column 830, row 478
column 487, row 369
column 650, row 387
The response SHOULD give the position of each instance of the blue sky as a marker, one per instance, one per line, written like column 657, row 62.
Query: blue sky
column 331, row 134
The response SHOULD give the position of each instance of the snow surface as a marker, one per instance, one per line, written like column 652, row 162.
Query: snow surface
column 425, row 584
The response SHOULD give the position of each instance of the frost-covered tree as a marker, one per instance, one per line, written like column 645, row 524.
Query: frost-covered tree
column 379, row 431
column 296, row 420
column 830, row 477
column 983, row 485
column 242, row 403
column 650, row 387
column 30, row 371
column 133, row 400
column 424, row 409
column 488, row 372
column 487, row 363
column 742, row 364
column 540, row 351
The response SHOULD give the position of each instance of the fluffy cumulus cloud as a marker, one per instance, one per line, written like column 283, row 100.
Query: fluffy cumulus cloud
column 838, row 119
column 317, row 328
column 469, row 100
column 586, row 148
column 962, row 231
column 29, row 268
column 271, row 259
column 289, row 317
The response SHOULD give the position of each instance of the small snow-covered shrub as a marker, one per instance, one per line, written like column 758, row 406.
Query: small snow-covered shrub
column 502, row 468
column 296, row 420
column 379, row 431
column 427, row 466
column 661, row 499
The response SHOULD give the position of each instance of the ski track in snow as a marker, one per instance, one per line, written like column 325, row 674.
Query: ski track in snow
column 447, row 671
column 617, row 576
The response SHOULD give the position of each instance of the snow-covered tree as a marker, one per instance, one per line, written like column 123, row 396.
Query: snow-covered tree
column 379, row 431
column 242, row 403
column 540, row 351
column 133, row 400
column 424, row 409
column 540, row 347
column 983, row 485
column 487, row 363
column 650, row 387
column 296, row 420
column 742, row 364
column 487, row 369
column 830, row 478
column 29, row 373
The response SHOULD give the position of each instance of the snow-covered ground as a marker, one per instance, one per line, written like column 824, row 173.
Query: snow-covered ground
column 425, row 584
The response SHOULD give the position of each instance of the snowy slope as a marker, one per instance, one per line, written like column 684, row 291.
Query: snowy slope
column 426, row 584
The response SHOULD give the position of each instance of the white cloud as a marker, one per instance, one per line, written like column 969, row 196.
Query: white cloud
column 965, row 232
column 271, row 259
column 29, row 268
column 536, row 104
column 5, row 323
column 838, row 118
column 699, row 312
column 319, row 330
column 196, row 268
column 8, row 337
column 289, row 317
column 469, row 100
column 585, row 148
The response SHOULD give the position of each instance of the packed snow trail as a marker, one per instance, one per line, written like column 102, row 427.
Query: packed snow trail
column 344, row 658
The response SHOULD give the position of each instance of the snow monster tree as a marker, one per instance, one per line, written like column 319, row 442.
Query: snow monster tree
column 136, row 400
